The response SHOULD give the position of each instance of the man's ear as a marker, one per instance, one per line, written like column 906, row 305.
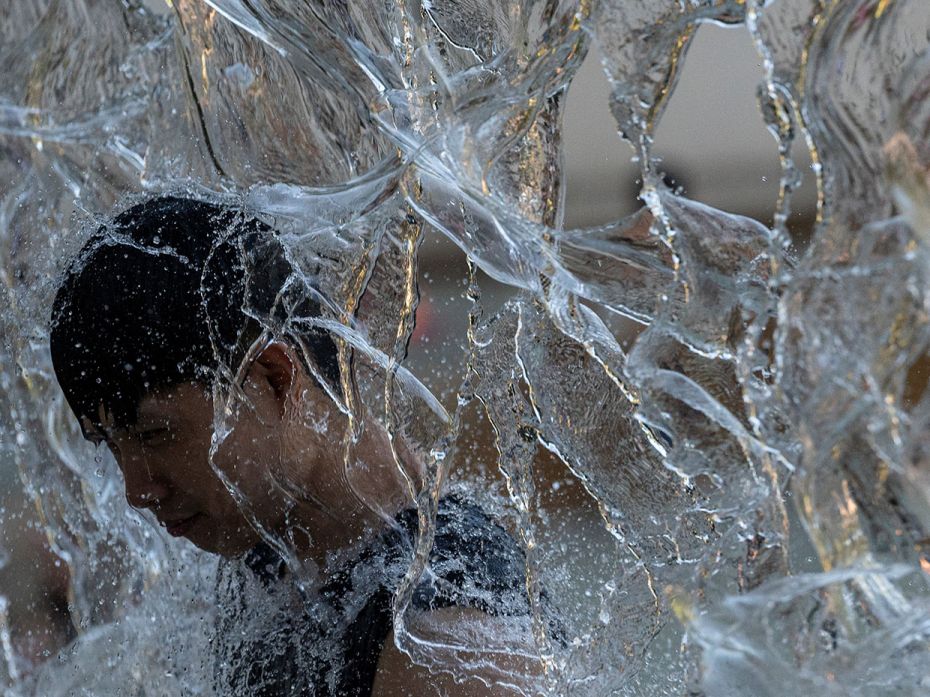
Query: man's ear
column 278, row 366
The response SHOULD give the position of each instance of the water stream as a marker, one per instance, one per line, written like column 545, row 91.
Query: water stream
column 743, row 491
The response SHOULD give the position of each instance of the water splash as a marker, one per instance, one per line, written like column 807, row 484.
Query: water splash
column 768, row 420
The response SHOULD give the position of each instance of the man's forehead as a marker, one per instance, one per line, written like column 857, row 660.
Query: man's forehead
column 155, row 406
column 103, row 426
column 166, row 400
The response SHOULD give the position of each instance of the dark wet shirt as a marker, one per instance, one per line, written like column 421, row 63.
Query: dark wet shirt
column 331, row 648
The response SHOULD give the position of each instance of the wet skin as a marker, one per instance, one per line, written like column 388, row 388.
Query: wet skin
column 168, row 469
column 272, row 454
column 165, row 461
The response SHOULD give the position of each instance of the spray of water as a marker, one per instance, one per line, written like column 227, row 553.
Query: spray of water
column 755, row 458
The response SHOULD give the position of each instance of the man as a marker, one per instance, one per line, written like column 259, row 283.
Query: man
column 180, row 302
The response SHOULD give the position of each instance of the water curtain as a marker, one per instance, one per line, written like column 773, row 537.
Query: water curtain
column 756, row 454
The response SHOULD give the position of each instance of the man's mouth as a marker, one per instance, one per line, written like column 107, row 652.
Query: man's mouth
column 177, row 528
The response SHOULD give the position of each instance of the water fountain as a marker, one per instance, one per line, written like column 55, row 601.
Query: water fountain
column 753, row 454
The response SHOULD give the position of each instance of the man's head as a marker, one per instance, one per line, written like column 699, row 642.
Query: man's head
column 160, row 304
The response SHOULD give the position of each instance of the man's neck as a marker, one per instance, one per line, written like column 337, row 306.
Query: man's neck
column 354, row 499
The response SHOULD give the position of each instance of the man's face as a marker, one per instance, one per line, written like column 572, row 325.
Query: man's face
column 165, row 460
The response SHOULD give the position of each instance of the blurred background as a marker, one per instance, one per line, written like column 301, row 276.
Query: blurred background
column 713, row 145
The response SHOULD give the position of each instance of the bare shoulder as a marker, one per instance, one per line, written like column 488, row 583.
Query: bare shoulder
column 461, row 652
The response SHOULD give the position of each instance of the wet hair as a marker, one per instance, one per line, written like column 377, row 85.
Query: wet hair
column 173, row 290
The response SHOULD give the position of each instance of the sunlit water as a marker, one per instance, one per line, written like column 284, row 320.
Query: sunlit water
column 757, row 459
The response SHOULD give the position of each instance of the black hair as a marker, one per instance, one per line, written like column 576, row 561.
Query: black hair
column 174, row 290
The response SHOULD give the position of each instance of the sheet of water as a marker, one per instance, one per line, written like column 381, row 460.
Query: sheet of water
column 758, row 457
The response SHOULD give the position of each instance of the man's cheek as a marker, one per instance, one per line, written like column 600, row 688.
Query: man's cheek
column 232, row 468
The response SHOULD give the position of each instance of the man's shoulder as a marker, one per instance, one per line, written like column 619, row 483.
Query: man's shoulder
column 474, row 562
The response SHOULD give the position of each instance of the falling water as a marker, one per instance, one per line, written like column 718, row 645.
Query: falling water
column 755, row 458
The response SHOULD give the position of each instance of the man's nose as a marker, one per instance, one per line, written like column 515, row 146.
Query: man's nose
column 144, row 489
